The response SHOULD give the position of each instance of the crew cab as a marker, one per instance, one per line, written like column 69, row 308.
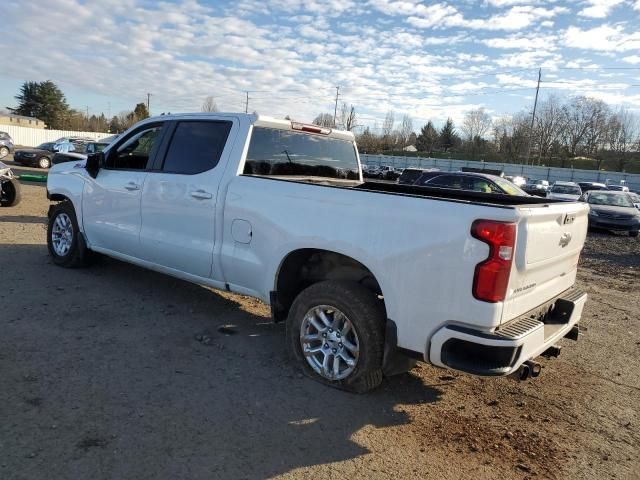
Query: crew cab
column 369, row 276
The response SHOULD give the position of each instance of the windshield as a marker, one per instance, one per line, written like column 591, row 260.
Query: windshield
column 566, row 189
column 509, row 187
column 610, row 199
column 287, row 153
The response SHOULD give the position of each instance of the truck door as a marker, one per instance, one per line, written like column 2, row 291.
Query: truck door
column 180, row 193
column 111, row 201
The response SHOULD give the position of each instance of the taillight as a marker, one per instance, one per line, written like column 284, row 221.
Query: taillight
column 492, row 275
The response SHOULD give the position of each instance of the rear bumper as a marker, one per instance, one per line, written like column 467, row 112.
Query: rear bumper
column 502, row 351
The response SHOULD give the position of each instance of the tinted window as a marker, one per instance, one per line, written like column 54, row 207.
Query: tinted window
column 446, row 181
column 196, row 146
column 409, row 176
column 134, row 153
column 284, row 152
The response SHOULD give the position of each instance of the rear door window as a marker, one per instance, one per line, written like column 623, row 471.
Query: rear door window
column 196, row 146
column 276, row 152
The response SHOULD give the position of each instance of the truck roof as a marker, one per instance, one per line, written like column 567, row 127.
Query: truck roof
column 261, row 121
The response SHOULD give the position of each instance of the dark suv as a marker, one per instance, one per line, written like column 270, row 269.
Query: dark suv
column 6, row 144
column 475, row 182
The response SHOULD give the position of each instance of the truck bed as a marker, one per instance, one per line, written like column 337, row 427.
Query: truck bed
column 455, row 194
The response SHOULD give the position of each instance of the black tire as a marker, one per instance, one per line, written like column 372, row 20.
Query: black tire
column 366, row 313
column 10, row 194
column 78, row 254
column 44, row 162
column 633, row 234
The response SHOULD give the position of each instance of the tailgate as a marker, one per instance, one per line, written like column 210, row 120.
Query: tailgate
column 550, row 239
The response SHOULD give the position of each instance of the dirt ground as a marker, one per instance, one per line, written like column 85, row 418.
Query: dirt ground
column 115, row 372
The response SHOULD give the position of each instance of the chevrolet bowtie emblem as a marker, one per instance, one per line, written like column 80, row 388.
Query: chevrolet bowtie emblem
column 565, row 239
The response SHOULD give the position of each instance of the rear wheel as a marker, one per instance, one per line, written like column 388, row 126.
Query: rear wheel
column 10, row 194
column 44, row 162
column 335, row 332
column 64, row 240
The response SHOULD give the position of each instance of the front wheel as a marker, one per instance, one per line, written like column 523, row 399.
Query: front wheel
column 9, row 192
column 335, row 331
column 64, row 240
column 44, row 162
column 4, row 151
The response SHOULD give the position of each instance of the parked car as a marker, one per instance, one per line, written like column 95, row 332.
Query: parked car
column 611, row 210
column 82, row 153
column 536, row 187
column 39, row 156
column 410, row 175
column 372, row 171
column 9, row 187
column 565, row 191
column 6, row 144
column 388, row 173
column 588, row 186
column 635, row 198
column 475, row 182
column 618, row 188
column 278, row 210
column 516, row 180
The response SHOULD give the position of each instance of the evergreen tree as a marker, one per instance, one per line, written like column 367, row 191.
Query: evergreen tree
column 42, row 100
column 427, row 138
column 448, row 137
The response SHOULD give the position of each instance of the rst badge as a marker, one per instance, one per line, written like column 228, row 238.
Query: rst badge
column 568, row 219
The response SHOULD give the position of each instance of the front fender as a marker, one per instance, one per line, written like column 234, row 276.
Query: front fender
column 67, row 184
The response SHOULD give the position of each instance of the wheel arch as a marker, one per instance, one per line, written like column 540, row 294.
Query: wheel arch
column 303, row 267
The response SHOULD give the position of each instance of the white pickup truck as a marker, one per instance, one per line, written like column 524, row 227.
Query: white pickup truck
column 368, row 276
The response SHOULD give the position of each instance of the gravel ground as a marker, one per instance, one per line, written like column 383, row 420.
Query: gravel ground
column 115, row 372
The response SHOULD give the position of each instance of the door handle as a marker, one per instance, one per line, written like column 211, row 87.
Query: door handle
column 201, row 194
column 132, row 186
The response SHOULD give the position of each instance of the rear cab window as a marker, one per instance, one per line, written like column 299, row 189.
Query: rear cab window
column 287, row 153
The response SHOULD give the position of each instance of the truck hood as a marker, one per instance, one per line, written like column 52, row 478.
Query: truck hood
column 68, row 166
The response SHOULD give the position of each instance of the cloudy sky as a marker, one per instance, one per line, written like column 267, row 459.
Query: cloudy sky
column 428, row 59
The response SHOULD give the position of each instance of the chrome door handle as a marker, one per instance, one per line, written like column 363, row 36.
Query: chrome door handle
column 132, row 186
column 201, row 194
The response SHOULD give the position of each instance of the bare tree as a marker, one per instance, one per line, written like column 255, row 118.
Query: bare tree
column 581, row 114
column 548, row 126
column 406, row 129
column 387, row 130
column 475, row 125
column 347, row 119
column 209, row 105
column 323, row 120
column 622, row 135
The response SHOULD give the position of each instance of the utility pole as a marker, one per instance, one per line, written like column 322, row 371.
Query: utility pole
column 148, row 98
column 335, row 109
column 87, row 112
column 533, row 117
column 246, row 102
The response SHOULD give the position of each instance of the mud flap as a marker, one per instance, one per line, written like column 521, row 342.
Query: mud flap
column 395, row 360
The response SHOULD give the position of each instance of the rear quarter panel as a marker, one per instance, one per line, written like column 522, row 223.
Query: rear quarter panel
column 419, row 250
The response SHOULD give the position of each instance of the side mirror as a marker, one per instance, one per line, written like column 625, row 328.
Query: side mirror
column 95, row 162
